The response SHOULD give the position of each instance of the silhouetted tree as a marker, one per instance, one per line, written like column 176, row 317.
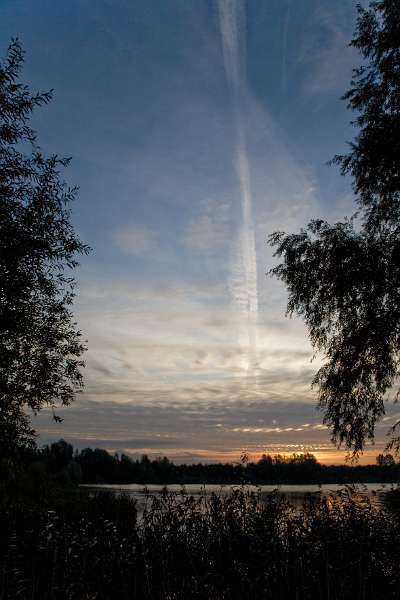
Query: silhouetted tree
column 40, row 346
column 385, row 460
column 61, row 453
column 344, row 279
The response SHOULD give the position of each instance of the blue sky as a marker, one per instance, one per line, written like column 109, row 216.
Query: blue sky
column 196, row 128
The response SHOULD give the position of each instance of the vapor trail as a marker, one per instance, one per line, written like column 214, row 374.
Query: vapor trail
column 232, row 20
column 284, row 45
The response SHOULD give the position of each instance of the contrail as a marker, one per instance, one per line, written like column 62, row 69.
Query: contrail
column 232, row 20
column 284, row 46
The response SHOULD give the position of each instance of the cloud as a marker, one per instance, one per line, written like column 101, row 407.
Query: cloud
column 325, row 49
column 307, row 427
column 209, row 231
column 187, row 431
column 149, row 333
column 137, row 240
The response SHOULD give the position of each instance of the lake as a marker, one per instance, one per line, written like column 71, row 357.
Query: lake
column 295, row 494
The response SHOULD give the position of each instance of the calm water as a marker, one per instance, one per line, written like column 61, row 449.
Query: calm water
column 295, row 494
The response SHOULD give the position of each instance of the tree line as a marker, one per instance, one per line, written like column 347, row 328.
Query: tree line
column 59, row 461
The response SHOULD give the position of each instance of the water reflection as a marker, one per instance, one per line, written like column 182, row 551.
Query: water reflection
column 295, row 494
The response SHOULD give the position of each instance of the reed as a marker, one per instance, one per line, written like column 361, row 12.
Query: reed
column 235, row 546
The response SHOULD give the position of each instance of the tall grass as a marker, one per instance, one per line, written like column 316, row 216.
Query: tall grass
column 214, row 548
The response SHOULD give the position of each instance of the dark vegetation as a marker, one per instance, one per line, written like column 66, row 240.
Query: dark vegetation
column 228, row 547
column 344, row 279
column 59, row 463
column 62, row 542
column 40, row 345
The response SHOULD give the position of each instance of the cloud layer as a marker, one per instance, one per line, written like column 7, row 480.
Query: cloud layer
column 196, row 130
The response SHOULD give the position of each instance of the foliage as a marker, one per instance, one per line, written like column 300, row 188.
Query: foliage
column 344, row 279
column 238, row 546
column 385, row 460
column 40, row 347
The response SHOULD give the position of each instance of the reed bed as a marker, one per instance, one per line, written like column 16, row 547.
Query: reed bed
column 207, row 548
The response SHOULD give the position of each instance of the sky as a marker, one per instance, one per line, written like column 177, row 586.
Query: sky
column 196, row 128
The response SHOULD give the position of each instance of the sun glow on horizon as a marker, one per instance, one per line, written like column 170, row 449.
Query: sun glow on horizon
column 324, row 456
